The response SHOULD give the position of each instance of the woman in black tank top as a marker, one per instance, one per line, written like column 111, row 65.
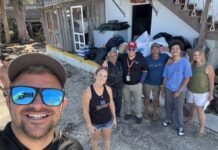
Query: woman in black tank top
column 99, row 110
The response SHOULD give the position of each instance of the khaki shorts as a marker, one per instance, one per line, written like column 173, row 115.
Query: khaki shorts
column 147, row 88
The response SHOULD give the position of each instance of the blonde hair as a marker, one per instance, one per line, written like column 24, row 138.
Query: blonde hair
column 202, row 53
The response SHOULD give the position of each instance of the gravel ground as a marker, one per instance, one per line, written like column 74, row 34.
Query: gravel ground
column 127, row 136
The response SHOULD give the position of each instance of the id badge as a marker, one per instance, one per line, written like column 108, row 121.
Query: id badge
column 127, row 78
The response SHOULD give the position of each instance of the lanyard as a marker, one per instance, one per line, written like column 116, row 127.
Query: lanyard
column 129, row 65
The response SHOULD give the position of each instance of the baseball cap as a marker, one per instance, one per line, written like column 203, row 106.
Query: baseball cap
column 31, row 59
column 155, row 45
column 132, row 45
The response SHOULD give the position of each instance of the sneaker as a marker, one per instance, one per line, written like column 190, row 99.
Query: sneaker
column 138, row 120
column 127, row 117
column 166, row 123
column 180, row 132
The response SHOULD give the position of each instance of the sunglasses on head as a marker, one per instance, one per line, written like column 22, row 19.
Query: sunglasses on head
column 131, row 49
column 24, row 95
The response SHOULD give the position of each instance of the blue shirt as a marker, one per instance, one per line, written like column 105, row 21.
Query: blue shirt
column 155, row 69
column 176, row 73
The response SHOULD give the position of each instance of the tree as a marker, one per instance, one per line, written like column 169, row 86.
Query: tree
column 20, row 16
column 5, row 21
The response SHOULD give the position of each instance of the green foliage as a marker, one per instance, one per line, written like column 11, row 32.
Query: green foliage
column 13, row 31
column 39, row 37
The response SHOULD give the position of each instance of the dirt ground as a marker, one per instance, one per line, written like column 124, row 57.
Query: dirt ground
column 149, row 135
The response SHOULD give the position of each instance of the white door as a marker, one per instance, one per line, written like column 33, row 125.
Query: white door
column 78, row 27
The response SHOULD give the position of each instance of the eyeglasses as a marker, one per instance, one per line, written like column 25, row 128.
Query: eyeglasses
column 24, row 95
column 131, row 49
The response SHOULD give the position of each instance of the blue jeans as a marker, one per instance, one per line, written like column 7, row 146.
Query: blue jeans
column 108, row 124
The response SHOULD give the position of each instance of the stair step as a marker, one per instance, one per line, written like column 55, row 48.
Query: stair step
column 180, row 1
column 186, row 12
column 189, row 6
column 215, row 26
column 209, row 19
column 212, row 35
column 193, row 21
column 179, row 6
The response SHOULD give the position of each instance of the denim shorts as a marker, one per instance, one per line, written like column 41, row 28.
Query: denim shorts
column 108, row 124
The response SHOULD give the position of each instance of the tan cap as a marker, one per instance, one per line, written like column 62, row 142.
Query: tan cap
column 32, row 59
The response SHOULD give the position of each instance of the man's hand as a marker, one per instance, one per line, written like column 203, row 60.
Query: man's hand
column 105, row 64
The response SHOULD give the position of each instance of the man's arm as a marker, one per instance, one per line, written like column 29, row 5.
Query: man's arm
column 181, row 89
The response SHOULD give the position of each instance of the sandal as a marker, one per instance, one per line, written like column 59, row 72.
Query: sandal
column 180, row 132
column 166, row 123
column 199, row 134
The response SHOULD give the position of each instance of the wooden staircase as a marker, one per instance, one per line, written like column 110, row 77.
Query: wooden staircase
column 192, row 18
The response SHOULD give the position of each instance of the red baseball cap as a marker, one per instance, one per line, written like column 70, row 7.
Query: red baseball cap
column 132, row 45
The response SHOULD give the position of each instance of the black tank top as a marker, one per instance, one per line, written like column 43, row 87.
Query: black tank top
column 99, row 108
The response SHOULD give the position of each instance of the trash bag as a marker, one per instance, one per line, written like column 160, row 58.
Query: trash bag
column 114, row 42
column 145, row 37
column 143, row 44
column 100, row 55
column 113, row 26
column 92, row 54
column 167, row 36
column 185, row 42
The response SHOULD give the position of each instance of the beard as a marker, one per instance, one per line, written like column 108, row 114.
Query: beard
column 37, row 132
column 35, row 129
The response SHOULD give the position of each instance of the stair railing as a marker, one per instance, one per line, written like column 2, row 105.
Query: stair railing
column 177, row 2
column 186, row 5
column 193, row 13
column 212, row 27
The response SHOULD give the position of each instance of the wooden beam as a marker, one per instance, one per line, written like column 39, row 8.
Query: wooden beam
column 203, row 28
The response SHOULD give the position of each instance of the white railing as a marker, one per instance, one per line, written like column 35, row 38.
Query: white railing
column 200, row 5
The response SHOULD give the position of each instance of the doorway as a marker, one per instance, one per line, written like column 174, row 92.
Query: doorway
column 78, row 27
column 141, row 20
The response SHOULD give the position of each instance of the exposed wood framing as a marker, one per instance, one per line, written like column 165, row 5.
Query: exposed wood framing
column 95, row 16
column 203, row 28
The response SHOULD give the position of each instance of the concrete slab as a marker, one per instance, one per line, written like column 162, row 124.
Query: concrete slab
column 211, row 123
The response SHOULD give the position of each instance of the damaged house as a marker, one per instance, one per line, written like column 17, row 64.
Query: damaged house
column 71, row 25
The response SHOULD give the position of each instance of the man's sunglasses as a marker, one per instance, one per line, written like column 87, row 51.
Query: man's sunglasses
column 131, row 49
column 24, row 95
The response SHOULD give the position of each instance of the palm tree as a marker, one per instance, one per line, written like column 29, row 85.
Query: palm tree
column 5, row 21
column 20, row 16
